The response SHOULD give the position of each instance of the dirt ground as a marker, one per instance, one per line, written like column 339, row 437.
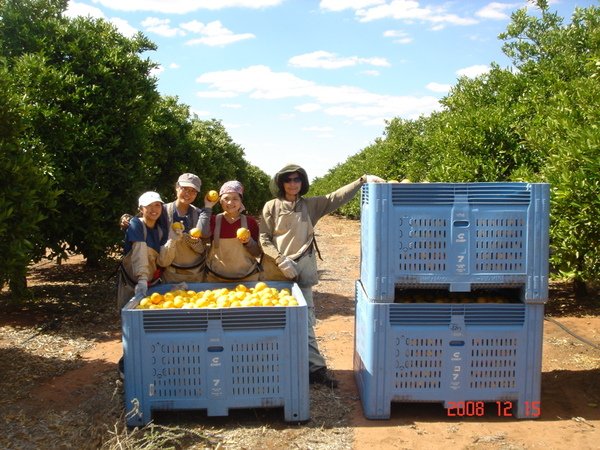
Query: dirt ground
column 59, row 389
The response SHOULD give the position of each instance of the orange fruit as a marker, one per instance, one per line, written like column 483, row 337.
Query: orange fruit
column 177, row 226
column 260, row 286
column 243, row 234
column 195, row 232
column 212, row 196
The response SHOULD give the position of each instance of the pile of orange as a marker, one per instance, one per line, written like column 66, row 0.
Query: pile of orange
column 240, row 296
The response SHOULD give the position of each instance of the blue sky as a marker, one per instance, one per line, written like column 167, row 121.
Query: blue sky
column 307, row 81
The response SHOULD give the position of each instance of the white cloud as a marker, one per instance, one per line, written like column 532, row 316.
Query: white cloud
column 184, row 6
column 326, row 60
column 438, row 87
column 402, row 37
column 340, row 5
column 371, row 73
column 200, row 113
column 156, row 71
column 473, row 71
column 405, row 10
column 75, row 9
column 318, row 129
column 213, row 33
column 496, row 10
column 308, row 107
column 162, row 27
column 123, row 26
column 216, row 94
column 260, row 82
column 174, row 66
column 232, row 105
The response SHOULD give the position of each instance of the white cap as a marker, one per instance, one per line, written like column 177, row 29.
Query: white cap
column 147, row 198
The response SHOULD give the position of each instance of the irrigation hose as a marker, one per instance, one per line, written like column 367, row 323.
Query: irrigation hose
column 575, row 335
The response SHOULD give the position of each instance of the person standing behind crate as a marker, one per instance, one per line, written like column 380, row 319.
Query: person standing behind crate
column 143, row 239
column 288, row 241
column 233, row 251
column 184, row 256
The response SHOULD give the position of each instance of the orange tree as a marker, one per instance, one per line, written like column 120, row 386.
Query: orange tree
column 535, row 121
column 88, row 94
column 26, row 189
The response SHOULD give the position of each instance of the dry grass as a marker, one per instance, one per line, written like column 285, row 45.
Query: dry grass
column 43, row 404
column 45, row 341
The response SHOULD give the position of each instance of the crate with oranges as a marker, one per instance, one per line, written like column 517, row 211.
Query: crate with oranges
column 221, row 297
column 216, row 347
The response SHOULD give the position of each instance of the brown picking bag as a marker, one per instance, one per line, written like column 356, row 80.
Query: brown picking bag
column 269, row 270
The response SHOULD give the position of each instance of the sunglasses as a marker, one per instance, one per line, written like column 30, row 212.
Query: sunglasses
column 293, row 180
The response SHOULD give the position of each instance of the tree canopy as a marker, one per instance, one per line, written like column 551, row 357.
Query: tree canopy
column 535, row 121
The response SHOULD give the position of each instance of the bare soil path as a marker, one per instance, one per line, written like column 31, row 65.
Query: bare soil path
column 58, row 384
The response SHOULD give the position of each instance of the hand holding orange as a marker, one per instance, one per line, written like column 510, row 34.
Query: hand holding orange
column 212, row 196
column 243, row 234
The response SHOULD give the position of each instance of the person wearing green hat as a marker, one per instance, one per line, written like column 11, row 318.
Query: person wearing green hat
column 288, row 241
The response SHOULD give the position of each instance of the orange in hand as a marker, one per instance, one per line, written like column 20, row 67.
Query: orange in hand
column 212, row 196
column 177, row 226
column 243, row 234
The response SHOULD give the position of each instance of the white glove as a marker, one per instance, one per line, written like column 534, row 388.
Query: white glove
column 195, row 244
column 208, row 203
column 288, row 268
column 374, row 179
column 124, row 221
column 175, row 235
column 141, row 289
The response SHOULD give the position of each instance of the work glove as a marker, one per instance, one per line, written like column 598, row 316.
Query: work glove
column 289, row 268
column 175, row 234
column 124, row 221
column 141, row 289
column 373, row 179
column 195, row 244
column 208, row 203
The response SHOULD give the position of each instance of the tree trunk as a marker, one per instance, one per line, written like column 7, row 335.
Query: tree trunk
column 579, row 288
column 18, row 287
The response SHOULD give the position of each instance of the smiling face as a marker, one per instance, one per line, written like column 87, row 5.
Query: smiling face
column 151, row 213
column 292, row 183
column 185, row 195
column 231, row 203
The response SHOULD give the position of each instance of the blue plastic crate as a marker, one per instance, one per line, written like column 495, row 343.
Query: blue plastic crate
column 216, row 359
column 454, row 235
column 450, row 353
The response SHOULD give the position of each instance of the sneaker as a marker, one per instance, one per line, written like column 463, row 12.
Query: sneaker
column 121, row 365
column 324, row 377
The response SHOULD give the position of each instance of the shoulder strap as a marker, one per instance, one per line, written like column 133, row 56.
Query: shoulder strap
column 195, row 216
column 244, row 221
column 160, row 231
column 170, row 211
column 217, row 230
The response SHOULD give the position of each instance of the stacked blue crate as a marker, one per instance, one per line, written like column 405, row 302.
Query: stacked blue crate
column 451, row 237
column 216, row 359
column 455, row 235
